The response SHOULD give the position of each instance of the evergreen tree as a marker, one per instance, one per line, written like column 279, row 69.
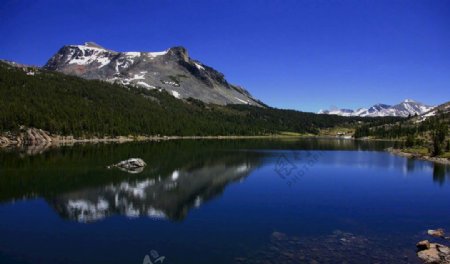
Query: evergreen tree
column 68, row 105
column 410, row 141
column 438, row 138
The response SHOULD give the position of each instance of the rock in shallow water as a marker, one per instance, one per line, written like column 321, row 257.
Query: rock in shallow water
column 422, row 245
column 436, row 233
column 436, row 254
column 133, row 165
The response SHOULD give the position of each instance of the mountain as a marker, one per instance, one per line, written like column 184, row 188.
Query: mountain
column 171, row 70
column 418, row 132
column 403, row 109
column 439, row 111
column 62, row 104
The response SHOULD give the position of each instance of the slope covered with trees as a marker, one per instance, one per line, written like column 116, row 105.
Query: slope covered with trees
column 68, row 105
column 425, row 134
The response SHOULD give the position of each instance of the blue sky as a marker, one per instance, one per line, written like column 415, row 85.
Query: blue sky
column 303, row 55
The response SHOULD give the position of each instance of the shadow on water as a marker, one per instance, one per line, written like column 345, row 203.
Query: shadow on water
column 441, row 172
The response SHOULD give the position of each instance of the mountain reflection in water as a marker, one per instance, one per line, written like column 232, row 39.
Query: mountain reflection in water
column 180, row 175
column 74, row 180
column 355, row 203
column 170, row 196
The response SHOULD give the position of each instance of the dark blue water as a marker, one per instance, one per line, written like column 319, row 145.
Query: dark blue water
column 298, row 201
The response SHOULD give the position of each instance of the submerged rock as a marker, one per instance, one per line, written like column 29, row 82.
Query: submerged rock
column 337, row 247
column 278, row 235
column 133, row 165
column 436, row 233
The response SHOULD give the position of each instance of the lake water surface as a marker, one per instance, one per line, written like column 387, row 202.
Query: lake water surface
column 220, row 201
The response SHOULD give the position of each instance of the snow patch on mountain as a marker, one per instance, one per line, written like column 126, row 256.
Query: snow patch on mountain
column 132, row 54
column 145, row 85
column 242, row 101
column 404, row 109
column 438, row 110
column 156, row 54
column 103, row 61
column 176, row 94
column 139, row 76
column 200, row 67
column 165, row 70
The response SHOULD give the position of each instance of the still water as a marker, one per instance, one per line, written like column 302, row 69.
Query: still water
column 211, row 201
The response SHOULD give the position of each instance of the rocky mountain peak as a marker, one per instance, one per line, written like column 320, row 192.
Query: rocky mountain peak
column 93, row 45
column 171, row 70
column 179, row 52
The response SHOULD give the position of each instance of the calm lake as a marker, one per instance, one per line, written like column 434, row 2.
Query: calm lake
column 219, row 201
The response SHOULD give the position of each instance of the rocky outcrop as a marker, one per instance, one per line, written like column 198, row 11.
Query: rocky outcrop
column 34, row 136
column 433, row 253
column 34, row 140
column 4, row 141
column 26, row 137
column 171, row 70
column 423, row 245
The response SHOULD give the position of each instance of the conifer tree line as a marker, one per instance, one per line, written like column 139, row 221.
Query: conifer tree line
column 68, row 105
column 432, row 132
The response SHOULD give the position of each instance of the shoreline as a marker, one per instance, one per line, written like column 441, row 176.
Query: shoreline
column 401, row 153
column 36, row 141
column 70, row 140
column 54, row 141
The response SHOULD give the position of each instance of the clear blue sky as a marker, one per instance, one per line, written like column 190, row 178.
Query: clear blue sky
column 304, row 55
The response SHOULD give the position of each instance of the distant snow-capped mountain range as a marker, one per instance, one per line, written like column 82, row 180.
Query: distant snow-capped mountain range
column 403, row 109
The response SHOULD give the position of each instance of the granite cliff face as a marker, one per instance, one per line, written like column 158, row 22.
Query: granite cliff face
column 171, row 70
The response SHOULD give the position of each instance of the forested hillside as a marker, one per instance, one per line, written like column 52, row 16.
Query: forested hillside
column 68, row 105
column 427, row 133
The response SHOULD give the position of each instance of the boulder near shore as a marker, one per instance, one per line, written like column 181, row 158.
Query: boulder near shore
column 133, row 165
column 434, row 253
